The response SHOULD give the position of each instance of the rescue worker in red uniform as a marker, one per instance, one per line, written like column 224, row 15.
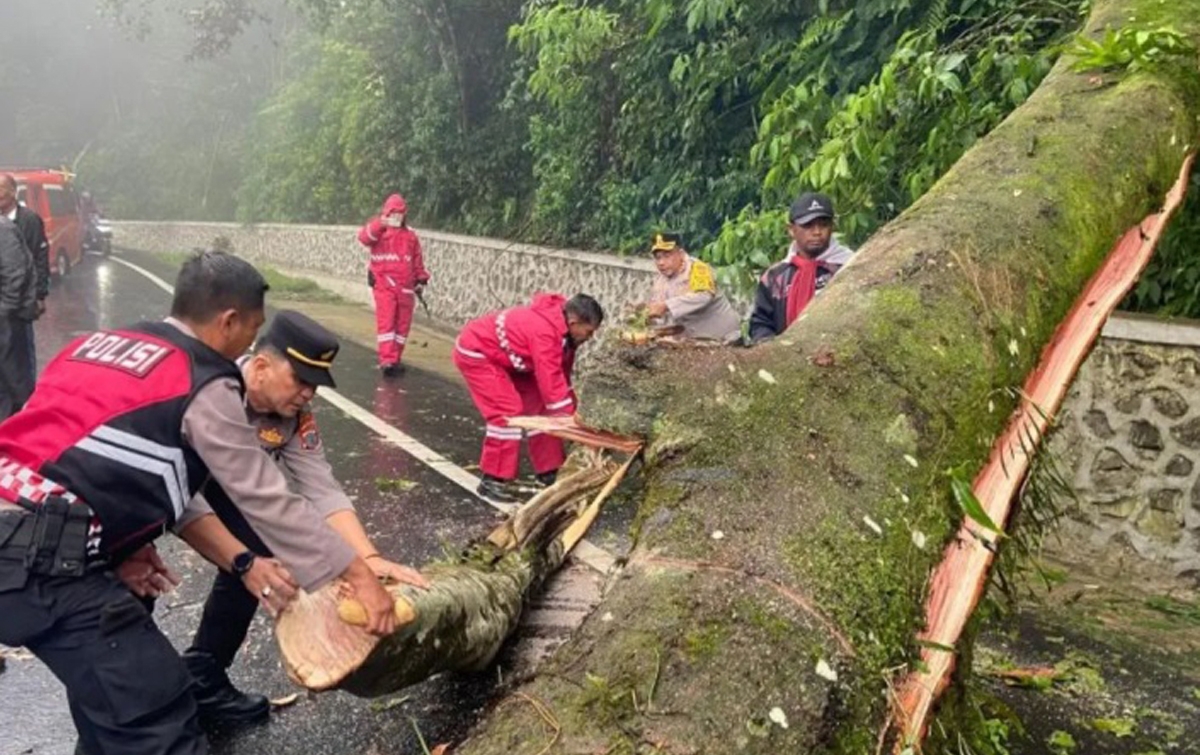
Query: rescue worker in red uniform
column 396, row 274
column 518, row 362
column 124, row 427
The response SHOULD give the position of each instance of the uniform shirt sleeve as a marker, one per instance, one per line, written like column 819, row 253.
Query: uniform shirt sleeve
column 552, row 374
column 196, row 508
column 700, row 291
column 312, row 477
column 690, row 304
column 215, row 426
column 371, row 232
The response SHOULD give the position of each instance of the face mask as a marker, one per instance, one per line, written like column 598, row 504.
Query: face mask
column 394, row 221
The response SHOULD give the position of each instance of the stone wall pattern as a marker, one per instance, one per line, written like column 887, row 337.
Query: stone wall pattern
column 1128, row 439
column 470, row 276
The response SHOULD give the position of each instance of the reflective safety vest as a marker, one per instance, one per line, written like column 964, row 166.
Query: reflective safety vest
column 104, row 426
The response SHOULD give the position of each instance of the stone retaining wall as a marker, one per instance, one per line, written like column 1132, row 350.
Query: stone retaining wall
column 470, row 275
column 1129, row 440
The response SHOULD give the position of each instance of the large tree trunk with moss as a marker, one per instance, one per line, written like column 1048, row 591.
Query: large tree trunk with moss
column 821, row 457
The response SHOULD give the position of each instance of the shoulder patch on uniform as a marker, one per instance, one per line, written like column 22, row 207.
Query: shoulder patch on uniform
column 702, row 278
column 310, row 436
column 270, row 438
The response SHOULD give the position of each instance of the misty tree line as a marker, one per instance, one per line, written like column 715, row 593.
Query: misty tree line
column 566, row 122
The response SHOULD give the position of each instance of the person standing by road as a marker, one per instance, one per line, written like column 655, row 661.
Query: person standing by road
column 16, row 308
column 123, row 429
column 290, row 362
column 33, row 232
column 518, row 362
column 397, row 275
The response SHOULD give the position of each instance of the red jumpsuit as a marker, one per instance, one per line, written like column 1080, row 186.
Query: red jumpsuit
column 518, row 362
column 397, row 267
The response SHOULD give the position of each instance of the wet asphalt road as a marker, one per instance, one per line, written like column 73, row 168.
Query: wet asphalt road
column 412, row 527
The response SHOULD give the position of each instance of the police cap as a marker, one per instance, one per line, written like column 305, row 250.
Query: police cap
column 307, row 345
column 665, row 242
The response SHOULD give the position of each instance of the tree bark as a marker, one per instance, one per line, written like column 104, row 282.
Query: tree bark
column 795, row 495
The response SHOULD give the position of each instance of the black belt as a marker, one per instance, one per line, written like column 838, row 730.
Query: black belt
column 49, row 538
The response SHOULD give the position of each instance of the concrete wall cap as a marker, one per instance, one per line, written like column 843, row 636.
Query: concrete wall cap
column 499, row 245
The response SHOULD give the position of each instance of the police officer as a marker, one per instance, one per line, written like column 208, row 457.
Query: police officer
column 122, row 431
column 685, row 293
column 291, row 360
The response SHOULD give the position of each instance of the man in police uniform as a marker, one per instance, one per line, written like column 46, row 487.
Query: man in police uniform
column 124, row 428
column 291, row 361
column 685, row 294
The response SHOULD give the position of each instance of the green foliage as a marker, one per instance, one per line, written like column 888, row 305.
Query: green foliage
column 1061, row 742
column 1170, row 285
column 1118, row 727
column 395, row 98
column 956, row 70
column 1129, row 49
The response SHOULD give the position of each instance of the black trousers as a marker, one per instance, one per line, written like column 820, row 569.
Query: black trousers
column 230, row 607
column 16, row 384
column 128, row 689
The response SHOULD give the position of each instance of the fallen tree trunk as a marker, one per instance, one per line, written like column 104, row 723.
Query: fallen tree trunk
column 796, row 496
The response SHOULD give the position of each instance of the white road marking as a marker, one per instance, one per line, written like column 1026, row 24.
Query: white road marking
column 585, row 551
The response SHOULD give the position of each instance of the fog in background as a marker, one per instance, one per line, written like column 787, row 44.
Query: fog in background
column 152, row 132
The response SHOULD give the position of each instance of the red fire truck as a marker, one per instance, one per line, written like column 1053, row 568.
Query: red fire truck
column 51, row 194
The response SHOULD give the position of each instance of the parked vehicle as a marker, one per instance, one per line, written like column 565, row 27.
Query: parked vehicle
column 97, row 236
column 51, row 194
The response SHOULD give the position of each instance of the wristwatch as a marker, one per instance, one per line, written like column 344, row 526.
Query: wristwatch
column 242, row 563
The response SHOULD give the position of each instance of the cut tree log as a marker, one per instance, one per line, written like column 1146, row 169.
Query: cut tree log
column 958, row 582
column 469, row 610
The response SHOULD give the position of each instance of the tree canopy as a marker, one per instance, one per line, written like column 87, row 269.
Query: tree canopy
column 571, row 123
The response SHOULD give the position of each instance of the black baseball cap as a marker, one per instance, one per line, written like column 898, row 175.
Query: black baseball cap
column 308, row 346
column 810, row 206
column 665, row 242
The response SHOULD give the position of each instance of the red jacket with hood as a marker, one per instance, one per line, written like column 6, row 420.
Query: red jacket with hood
column 528, row 340
column 396, row 259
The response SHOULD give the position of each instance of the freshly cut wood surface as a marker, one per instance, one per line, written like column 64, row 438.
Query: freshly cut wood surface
column 470, row 609
column 568, row 428
column 959, row 580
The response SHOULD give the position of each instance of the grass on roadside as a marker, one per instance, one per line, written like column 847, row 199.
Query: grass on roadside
column 283, row 287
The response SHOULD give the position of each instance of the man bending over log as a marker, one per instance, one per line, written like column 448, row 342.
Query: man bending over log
column 518, row 362
column 290, row 362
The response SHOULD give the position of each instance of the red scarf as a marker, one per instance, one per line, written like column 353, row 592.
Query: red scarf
column 803, row 288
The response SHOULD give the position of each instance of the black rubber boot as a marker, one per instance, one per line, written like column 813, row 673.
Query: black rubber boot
column 495, row 489
column 220, row 703
column 546, row 479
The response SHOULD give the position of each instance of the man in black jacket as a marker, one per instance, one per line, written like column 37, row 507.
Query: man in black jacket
column 17, row 304
column 33, row 232
column 812, row 260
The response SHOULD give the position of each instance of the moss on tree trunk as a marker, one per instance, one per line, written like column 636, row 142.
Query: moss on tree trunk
column 827, row 480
